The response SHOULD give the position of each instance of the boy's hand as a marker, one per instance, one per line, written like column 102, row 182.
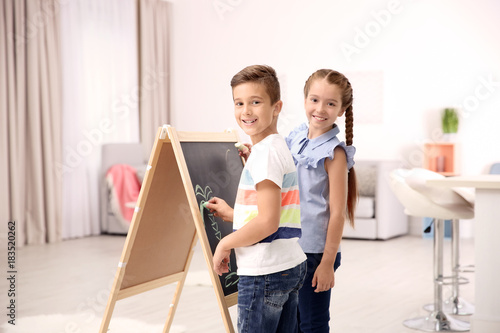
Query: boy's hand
column 246, row 153
column 323, row 278
column 221, row 259
column 220, row 209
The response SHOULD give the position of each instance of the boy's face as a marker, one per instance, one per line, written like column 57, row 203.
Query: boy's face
column 254, row 112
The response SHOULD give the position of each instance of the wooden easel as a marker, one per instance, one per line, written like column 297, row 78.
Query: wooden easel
column 167, row 219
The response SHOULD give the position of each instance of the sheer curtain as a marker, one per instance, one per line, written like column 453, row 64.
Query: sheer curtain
column 30, row 118
column 154, row 20
column 100, row 99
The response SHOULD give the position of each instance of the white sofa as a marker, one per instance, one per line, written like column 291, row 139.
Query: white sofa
column 379, row 214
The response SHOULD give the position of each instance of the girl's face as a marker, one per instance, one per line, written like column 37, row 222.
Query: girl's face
column 323, row 105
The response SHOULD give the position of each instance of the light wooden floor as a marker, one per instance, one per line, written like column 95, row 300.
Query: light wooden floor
column 379, row 284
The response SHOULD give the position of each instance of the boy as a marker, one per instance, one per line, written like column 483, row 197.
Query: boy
column 266, row 216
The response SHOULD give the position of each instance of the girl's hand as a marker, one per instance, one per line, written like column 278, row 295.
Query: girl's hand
column 220, row 209
column 221, row 259
column 323, row 278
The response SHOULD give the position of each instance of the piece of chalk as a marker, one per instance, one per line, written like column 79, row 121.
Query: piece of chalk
column 241, row 146
column 205, row 204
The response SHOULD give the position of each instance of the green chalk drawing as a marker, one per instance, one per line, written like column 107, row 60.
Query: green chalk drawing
column 230, row 276
column 206, row 194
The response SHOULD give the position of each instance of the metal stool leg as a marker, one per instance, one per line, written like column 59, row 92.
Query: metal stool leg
column 455, row 304
column 438, row 321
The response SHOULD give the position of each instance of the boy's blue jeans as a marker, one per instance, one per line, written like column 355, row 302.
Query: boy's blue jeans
column 314, row 308
column 268, row 303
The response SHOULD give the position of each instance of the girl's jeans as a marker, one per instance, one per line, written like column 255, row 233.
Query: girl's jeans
column 268, row 303
column 314, row 308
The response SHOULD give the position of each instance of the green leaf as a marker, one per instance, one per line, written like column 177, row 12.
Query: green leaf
column 449, row 120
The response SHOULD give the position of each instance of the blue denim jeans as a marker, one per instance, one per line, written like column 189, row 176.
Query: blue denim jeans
column 268, row 303
column 314, row 308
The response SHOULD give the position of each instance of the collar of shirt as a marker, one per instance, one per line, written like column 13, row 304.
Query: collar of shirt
column 323, row 138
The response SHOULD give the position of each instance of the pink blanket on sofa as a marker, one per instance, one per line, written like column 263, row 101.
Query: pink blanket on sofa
column 122, row 179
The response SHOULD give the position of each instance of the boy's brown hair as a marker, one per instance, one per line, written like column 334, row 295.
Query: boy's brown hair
column 261, row 74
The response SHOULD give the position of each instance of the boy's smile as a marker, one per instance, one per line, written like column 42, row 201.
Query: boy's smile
column 254, row 112
column 248, row 122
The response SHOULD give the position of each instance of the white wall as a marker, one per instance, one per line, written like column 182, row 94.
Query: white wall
column 433, row 54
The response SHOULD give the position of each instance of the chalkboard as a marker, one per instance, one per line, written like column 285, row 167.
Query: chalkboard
column 215, row 169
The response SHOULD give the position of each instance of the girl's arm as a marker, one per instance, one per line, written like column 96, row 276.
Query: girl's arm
column 324, row 277
column 264, row 224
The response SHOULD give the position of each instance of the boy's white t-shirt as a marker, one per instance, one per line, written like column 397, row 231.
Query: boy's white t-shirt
column 270, row 159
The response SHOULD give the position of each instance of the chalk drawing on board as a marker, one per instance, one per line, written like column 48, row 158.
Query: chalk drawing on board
column 206, row 193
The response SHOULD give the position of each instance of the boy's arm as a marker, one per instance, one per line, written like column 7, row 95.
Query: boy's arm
column 220, row 208
column 324, row 277
column 264, row 224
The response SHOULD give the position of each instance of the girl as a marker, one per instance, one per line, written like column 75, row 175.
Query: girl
column 327, row 187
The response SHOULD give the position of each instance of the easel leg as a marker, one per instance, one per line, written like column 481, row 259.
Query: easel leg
column 107, row 316
column 173, row 306
column 178, row 290
column 113, row 297
column 226, row 317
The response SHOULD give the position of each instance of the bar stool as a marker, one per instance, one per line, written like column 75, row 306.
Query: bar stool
column 460, row 196
column 420, row 205
column 455, row 304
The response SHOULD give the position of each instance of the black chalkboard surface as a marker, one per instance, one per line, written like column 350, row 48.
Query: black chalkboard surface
column 215, row 169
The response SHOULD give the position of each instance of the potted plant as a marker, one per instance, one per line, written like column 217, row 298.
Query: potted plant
column 449, row 123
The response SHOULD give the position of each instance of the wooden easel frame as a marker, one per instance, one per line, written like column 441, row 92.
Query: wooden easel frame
column 126, row 284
